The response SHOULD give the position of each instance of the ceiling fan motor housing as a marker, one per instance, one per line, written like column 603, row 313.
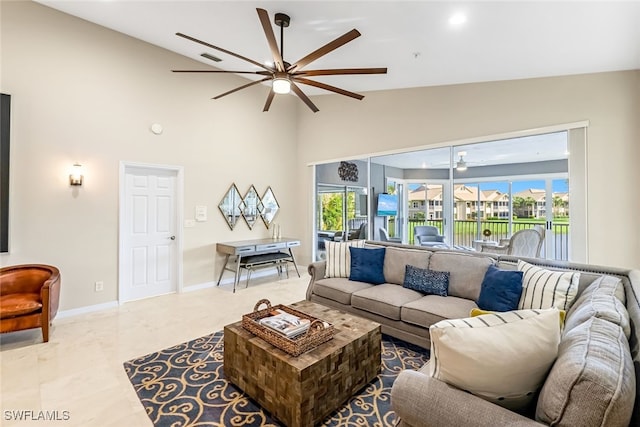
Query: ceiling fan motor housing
column 282, row 20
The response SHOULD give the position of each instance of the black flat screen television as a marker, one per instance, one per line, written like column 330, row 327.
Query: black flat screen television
column 5, row 110
column 387, row 205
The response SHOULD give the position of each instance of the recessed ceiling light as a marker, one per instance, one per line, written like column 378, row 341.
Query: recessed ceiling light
column 458, row 19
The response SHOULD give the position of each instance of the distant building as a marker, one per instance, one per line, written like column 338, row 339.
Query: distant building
column 426, row 203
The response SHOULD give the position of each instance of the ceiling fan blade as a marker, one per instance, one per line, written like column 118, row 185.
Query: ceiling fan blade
column 228, row 52
column 269, row 99
column 241, row 87
column 271, row 38
column 329, row 47
column 328, row 87
column 341, row 71
column 262, row 73
column 305, row 98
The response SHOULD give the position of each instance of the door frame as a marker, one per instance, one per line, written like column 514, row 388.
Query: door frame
column 179, row 200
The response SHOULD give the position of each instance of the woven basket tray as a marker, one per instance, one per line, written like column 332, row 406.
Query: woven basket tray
column 317, row 334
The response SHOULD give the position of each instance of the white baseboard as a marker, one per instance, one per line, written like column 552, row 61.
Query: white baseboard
column 87, row 309
column 198, row 287
column 114, row 304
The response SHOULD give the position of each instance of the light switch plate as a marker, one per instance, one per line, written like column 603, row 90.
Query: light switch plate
column 188, row 223
column 201, row 213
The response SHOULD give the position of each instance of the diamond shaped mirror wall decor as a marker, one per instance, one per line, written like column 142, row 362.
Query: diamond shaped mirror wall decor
column 270, row 207
column 251, row 206
column 230, row 206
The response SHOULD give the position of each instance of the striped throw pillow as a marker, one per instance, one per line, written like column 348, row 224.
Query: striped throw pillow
column 500, row 357
column 339, row 258
column 543, row 288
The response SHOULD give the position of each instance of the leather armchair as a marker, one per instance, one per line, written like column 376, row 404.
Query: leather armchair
column 29, row 297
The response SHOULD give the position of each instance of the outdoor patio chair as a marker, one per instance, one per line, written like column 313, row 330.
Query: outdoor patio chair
column 525, row 243
column 427, row 235
column 384, row 236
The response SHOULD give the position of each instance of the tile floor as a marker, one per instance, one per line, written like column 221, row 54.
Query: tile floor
column 80, row 369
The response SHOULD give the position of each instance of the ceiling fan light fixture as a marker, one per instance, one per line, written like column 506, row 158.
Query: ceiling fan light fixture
column 281, row 85
column 461, row 165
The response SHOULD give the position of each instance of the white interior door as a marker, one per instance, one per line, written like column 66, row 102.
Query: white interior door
column 148, row 232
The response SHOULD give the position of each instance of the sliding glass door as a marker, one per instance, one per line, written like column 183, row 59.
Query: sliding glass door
column 490, row 212
column 341, row 214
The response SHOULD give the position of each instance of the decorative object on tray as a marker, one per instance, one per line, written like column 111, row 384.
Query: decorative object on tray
column 318, row 332
column 285, row 323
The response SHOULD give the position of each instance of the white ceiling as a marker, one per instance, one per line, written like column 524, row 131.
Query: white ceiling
column 535, row 148
column 500, row 40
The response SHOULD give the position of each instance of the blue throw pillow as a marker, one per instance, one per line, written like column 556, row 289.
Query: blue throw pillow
column 429, row 282
column 367, row 265
column 500, row 289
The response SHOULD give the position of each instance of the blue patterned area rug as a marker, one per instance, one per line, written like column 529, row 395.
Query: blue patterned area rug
column 185, row 385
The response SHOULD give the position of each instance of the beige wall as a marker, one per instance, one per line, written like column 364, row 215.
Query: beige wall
column 399, row 119
column 82, row 93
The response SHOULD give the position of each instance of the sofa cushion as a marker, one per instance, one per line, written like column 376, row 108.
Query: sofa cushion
column 339, row 258
column 593, row 380
column 338, row 289
column 12, row 305
column 431, row 309
column 426, row 281
column 542, row 288
column 500, row 289
column 385, row 300
column 600, row 299
column 367, row 265
column 396, row 260
column 467, row 272
column 501, row 357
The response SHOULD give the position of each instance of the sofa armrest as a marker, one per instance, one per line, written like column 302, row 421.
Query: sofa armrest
column 420, row 400
column 316, row 271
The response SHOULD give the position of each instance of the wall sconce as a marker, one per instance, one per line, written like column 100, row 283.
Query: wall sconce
column 75, row 177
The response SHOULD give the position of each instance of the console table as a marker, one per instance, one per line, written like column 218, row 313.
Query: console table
column 252, row 254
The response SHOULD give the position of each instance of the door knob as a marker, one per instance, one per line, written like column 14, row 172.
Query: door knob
column 173, row 237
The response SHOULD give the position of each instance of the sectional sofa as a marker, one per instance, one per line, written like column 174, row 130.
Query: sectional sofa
column 586, row 386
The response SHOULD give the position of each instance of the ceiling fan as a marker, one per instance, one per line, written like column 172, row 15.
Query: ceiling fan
column 283, row 75
column 461, row 165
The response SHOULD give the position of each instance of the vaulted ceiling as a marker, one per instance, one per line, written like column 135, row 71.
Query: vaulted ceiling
column 420, row 42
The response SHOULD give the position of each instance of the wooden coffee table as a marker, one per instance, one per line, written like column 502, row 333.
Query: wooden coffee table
column 304, row 390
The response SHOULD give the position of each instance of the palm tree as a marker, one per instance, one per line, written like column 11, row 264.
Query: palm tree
column 530, row 202
column 518, row 205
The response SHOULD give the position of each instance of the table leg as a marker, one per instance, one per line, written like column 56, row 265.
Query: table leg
column 237, row 278
column 294, row 262
column 224, row 267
